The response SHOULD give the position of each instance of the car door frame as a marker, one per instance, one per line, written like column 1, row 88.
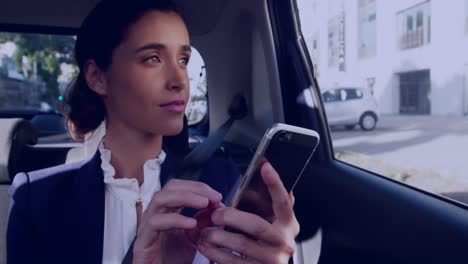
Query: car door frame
column 364, row 217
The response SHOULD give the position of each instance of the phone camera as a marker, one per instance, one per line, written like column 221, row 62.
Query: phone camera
column 285, row 136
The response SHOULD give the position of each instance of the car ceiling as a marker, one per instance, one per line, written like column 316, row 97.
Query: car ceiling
column 241, row 57
column 70, row 13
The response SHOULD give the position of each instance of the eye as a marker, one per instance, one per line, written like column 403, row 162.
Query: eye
column 152, row 60
column 184, row 60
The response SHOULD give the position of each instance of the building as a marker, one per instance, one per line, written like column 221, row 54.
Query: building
column 412, row 54
column 16, row 91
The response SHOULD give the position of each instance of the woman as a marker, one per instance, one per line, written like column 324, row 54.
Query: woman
column 133, row 59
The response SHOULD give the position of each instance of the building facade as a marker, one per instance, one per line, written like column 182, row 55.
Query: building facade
column 411, row 54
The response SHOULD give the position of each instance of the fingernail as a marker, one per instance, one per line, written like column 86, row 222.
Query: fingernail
column 268, row 166
column 217, row 196
column 215, row 206
column 192, row 222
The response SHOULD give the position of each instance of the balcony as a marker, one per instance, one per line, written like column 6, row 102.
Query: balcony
column 412, row 39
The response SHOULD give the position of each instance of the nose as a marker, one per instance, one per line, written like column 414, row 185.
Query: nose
column 177, row 77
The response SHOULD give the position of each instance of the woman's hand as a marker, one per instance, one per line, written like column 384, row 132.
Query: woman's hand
column 267, row 242
column 160, row 236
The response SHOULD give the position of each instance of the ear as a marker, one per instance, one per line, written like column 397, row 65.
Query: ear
column 95, row 77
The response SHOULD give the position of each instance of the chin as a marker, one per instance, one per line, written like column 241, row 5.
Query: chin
column 172, row 131
column 173, row 127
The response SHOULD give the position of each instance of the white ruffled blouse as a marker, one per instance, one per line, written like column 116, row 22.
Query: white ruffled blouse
column 121, row 196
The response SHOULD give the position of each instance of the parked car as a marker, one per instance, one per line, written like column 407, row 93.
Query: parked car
column 350, row 107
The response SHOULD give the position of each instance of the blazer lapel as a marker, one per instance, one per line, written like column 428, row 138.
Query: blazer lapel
column 87, row 209
column 87, row 213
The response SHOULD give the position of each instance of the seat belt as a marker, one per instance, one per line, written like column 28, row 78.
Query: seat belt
column 192, row 163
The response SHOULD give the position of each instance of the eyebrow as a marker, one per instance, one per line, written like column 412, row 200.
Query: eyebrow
column 187, row 48
column 159, row 46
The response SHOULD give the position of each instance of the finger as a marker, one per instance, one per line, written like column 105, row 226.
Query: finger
column 151, row 228
column 220, row 255
column 166, row 201
column 248, row 223
column 282, row 206
column 200, row 188
column 238, row 243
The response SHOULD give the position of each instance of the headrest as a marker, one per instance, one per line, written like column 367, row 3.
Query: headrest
column 49, row 124
column 6, row 134
column 22, row 135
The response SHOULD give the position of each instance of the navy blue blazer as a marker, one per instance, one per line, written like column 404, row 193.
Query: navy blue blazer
column 63, row 219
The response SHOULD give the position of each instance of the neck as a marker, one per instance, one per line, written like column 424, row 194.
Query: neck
column 130, row 149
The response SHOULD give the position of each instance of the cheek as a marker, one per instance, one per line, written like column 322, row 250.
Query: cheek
column 129, row 98
column 139, row 87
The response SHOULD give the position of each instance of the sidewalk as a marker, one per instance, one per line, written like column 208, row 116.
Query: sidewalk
column 429, row 152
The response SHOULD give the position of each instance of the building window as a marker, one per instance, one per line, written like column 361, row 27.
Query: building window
column 416, row 26
column 336, row 42
column 419, row 19
column 331, row 48
column 313, row 47
column 367, row 28
column 409, row 23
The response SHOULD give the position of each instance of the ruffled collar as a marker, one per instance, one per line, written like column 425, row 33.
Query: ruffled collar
column 127, row 189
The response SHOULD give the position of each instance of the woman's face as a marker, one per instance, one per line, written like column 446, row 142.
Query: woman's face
column 147, row 84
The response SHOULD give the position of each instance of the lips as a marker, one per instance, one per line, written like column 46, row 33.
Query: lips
column 177, row 106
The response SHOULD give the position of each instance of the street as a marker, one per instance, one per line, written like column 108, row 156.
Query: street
column 429, row 152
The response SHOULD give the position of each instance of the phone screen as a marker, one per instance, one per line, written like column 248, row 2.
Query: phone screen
column 289, row 153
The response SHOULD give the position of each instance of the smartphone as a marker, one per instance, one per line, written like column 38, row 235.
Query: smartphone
column 289, row 150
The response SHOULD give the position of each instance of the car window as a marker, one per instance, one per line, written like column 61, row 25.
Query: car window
column 36, row 70
column 343, row 95
column 352, row 94
column 331, row 96
column 411, row 122
column 197, row 107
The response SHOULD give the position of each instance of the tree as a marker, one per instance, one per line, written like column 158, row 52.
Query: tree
column 44, row 53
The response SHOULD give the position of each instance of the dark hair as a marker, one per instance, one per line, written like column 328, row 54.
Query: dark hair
column 101, row 32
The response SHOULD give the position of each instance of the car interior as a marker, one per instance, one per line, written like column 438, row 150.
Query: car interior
column 255, row 48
